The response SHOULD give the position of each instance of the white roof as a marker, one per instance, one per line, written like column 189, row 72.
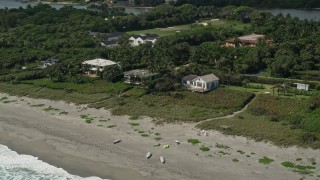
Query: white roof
column 99, row 62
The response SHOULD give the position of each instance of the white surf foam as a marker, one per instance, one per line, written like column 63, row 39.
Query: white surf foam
column 25, row 167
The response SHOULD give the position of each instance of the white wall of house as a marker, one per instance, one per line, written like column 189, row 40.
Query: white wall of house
column 132, row 41
column 200, row 84
column 136, row 42
column 302, row 86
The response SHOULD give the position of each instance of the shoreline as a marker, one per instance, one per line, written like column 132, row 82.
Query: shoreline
column 67, row 142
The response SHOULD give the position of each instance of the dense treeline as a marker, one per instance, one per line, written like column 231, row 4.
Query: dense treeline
column 148, row 2
column 256, row 3
column 30, row 35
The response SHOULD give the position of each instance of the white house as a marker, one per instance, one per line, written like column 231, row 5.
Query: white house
column 201, row 83
column 95, row 66
column 136, row 40
column 49, row 62
column 301, row 86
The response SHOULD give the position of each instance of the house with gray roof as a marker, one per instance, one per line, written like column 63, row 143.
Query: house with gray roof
column 201, row 83
column 49, row 62
column 138, row 76
column 111, row 39
column 136, row 40
column 107, row 39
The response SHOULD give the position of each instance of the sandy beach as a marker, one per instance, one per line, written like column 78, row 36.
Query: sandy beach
column 60, row 136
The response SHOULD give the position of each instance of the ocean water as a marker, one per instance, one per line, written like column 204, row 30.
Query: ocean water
column 14, row 166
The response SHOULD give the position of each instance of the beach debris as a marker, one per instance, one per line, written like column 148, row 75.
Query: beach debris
column 166, row 146
column 178, row 142
column 157, row 145
column 162, row 159
column 149, row 154
column 202, row 132
column 116, row 141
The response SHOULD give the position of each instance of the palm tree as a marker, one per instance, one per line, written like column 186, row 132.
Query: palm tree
column 279, row 87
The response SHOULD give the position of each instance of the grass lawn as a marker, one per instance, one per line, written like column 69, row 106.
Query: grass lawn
column 175, row 29
column 163, row 31
column 225, row 23
column 276, row 106
column 261, row 128
column 189, row 107
column 275, row 119
column 251, row 90
column 53, row 94
column 96, row 86
column 267, row 90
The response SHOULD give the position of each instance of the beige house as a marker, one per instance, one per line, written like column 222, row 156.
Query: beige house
column 249, row 40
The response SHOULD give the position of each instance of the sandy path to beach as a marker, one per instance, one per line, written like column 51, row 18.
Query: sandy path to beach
column 67, row 141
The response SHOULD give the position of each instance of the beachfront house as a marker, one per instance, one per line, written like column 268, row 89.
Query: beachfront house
column 107, row 39
column 249, row 41
column 136, row 40
column 301, row 86
column 49, row 62
column 111, row 39
column 138, row 76
column 201, row 83
column 95, row 67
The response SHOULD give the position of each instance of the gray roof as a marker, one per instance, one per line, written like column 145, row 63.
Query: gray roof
column 91, row 33
column 51, row 61
column 189, row 77
column 114, row 34
column 209, row 78
column 146, row 36
column 141, row 73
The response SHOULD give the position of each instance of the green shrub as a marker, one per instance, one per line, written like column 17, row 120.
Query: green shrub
column 288, row 164
column 38, row 105
column 235, row 160
column 204, row 148
column 265, row 160
column 145, row 135
column 3, row 98
column 194, row 141
column 134, row 117
column 308, row 138
column 134, row 124
column 64, row 113
column 312, row 121
column 111, row 126
column 222, row 146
